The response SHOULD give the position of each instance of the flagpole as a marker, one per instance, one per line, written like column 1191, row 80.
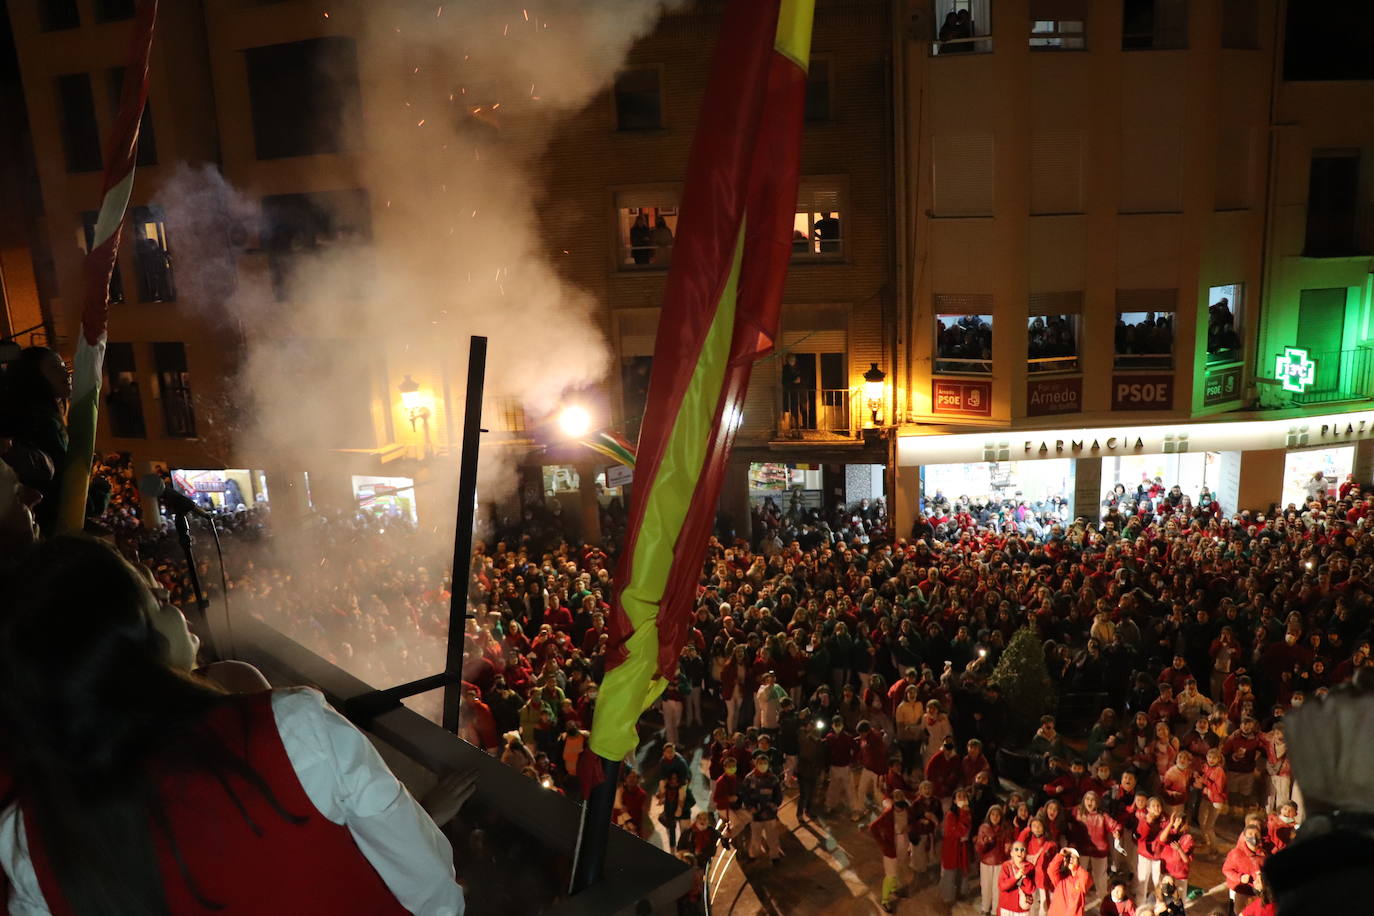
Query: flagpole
column 594, row 830
column 462, row 538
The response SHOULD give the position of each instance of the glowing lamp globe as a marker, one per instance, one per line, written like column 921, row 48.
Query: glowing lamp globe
column 575, row 421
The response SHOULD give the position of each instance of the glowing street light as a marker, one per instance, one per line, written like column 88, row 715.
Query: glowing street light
column 575, row 421
column 873, row 389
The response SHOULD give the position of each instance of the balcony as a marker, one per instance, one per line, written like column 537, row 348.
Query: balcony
column 506, row 416
column 818, row 414
column 1337, row 375
column 1344, row 233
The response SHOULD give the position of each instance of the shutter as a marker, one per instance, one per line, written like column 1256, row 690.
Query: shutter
column 1321, row 320
column 638, row 328
column 762, row 401
column 1235, row 168
column 1057, row 172
column 1059, row 10
column 962, row 174
column 1151, row 171
column 963, row 304
column 1147, row 300
column 1067, row 303
column 814, row 341
column 647, row 197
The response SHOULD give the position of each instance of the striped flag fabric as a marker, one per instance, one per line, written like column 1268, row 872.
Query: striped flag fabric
column 99, row 264
column 719, row 314
column 613, row 445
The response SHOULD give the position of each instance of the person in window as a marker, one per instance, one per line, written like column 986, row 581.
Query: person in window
column 948, row 32
column 662, row 239
column 965, row 29
column 154, row 270
column 800, row 243
column 641, row 240
column 134, row 786
column 827, row 232
column 794, row 394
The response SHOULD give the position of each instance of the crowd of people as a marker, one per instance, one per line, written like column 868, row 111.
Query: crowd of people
column 963, row 343
column 1146, row 341
column 1051, row 343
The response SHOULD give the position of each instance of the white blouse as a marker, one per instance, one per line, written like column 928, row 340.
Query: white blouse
column 348, row 783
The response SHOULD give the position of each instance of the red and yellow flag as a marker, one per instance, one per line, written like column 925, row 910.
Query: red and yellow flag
column 89, row 360
column 720, row 313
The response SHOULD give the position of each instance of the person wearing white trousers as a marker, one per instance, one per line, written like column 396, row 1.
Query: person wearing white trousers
column 672, row 718
column 841, row 788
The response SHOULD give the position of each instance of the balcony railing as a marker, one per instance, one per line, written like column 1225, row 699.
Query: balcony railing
column 823, row 411
column 506, row 415
column 962, row 365
column 1339, row 375
column 1052, row 364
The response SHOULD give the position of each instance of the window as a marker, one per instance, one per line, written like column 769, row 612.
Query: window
column 80, row 132
column 818, row 227
column 1225, row 306
column 962, row 175
column 1058, row 25
column 962, row 27
column 85, row 238
column 304, row 97
column 298, row 226
column 1332, row 196
column 1151, row 170
column 147, row 142
column 1144, row 336
column 646, row 222
column 1235, row 167
column 1240, row 24
column 963, row 342
column 634, row 386
column 1052, row 332
column 638, row 100
column 1154, row 25
column 57, row 15
column 114, row 10
column 121, row 382
column 818, row 90
column 815, row 395
column 174, row 385
column 1329, row 43
column 152, row 257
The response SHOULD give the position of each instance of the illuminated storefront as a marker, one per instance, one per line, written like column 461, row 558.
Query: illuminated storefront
column 225, row 490
column 1047, row 484
column 386, row 497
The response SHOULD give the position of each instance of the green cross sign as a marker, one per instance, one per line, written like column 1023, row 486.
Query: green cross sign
column 1294, row 370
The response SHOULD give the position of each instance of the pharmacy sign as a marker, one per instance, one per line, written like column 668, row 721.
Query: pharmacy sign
column 1295, row 370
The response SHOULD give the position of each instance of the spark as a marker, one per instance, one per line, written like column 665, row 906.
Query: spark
column 416, row 70
column 477, row 110
column 496, row 106
column 450, row 96
column 527, row 15
column 439, row 12
column 463, row 90
column 506, row 30
column 326, row 15
column 422, row 123
column 474, row 214
column 388, row 205
column 531, row 88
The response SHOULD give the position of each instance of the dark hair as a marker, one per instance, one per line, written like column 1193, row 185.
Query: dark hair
column 87, row 698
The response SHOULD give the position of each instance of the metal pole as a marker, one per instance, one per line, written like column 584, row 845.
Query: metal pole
column 594, row 830
column 462, row 539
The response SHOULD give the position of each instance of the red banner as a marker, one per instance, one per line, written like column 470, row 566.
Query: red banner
column 1053, row 395
column 1143, row 392
column 961, row 397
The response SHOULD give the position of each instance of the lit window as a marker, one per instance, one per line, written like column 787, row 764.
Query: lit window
column 1052, row 343
column 646, row 224
column 818, row 225
column 1145, row 340
column 1057, row 34
column 152, row 256
column 962, row 27
column 1225, row 309
column 963, row 343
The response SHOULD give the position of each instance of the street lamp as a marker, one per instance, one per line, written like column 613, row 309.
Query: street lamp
column 575, row 421
column 417, row 409
column 873, row 389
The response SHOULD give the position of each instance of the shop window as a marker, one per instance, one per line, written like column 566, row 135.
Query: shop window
column 1332, row 204
column 1052, row 343
column 1145, row 340
column 818, row 226
column 174, row 386
column 386, row 497
column 639, row 99
column 152, row 256
column 963, row 343
column 80, row 132
column 114, row 10
column 305, row 98
column 300, row 226
column 962, row 27
column 646, row 223
column 1225, row 308
column 1058, row 25
column 818, row 89
column 1154, row 25
column 147, row 141
column 85, row 238
column 58, row 15
column 122, row 394
column 1240, row 24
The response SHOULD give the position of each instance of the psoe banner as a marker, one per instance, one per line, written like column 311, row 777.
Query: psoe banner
column 961, row 397
column 1142, row 392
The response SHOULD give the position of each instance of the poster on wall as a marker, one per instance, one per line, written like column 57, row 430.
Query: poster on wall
column 961, row 397
column 1142, row 392
column 1053, row 396
column 1220, row 386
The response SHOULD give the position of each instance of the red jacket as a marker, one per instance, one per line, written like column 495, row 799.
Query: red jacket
column 1280, row 834
column 1040, row 850
column 311, row 867
column 725, row 788
column 971, row 766
column 884, row 831
column 1124, row 907
column 1147, row 837
column 1242, row 860
column 1214, row 784
column 873, row 752
column 1070, row 894
column 1012, row 883
column 944, row 772
column 1176, row 853
column 1093, row 832
column 992, row 845
column 839, row 749
column 954, row 846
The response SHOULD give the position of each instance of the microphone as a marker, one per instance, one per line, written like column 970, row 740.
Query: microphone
column 152, row 486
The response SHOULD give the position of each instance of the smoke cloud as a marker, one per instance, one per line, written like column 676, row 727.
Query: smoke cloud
column 459, row 103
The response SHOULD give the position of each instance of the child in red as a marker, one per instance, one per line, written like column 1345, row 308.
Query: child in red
column 954, row 847
column 1039, row 850
column 1175, row 845
column 1212, row 782
column 1282, row 826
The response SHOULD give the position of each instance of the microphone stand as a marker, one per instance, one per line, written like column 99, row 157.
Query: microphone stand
column 207, row 639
